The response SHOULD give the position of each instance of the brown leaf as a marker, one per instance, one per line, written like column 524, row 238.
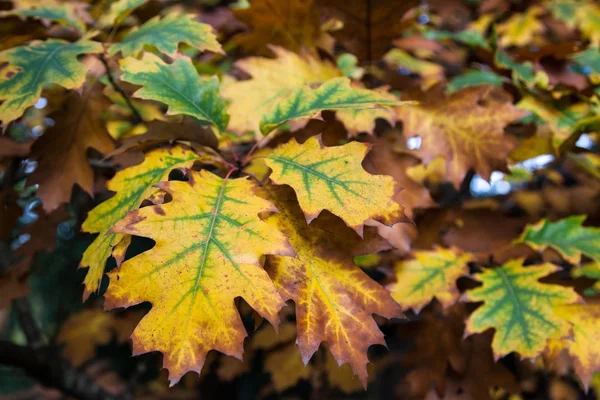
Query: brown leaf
column 62, row 150
column 293, row 24
column 369, row 26
column 466, row 128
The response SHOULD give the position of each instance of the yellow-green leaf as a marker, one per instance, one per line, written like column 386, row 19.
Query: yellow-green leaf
column 209, row 240
column 166, row 34
column 334, row 298
column 567, row 236
column 518, row 307
column 431, row 73
column 36, row 66
column 132, row 186
column 118, row 11
column 64, row 14
column 332, row 178
column 335, row 94
column 179, row 86
column 272, row 79
column 431, row 274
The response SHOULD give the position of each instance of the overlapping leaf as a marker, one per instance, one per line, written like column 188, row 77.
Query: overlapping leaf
column 209, row 241
column 272, row 80
column 62, row 151
column 463, row 129
column 179, row 86
column 334, row 94
column 166, row 34
column 66, row 14
column 332, row 178
column 518, row 307
column 431, row 274
column 567, row 236
column 118, row 11
column 132, row 186
column 37, row 66
column 334, row 299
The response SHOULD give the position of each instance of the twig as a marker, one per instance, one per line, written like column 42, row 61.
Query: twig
column 32, row 332
column 55, row 373
column 118, row 89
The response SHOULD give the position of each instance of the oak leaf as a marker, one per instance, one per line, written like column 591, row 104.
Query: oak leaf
column 521, row 28
column 191, row 277
column 132, row 185
column 466, row 128
column 334, row 299
column 36, row 66
column 518, row 307
column 431, row 274
column 166, row 34
column 62, row 150
column 272, row 79
column 369, row 27
column 332, row 178
column 179, row 86
column 292, row 24
column 334, row 94
column 118, row 11
column 567, row 236
column 69, row 14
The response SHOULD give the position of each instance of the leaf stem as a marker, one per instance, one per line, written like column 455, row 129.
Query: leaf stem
column 118, row 89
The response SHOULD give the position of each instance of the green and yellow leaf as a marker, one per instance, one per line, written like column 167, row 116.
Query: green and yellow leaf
column 334, row 298
column 518, row 307
column 166, row 34
column 179, row 86
column 64, row 14
column 132, row 185
column 335, row 94
column 430, row 73
column 272, row 80
column 209, row 241
column 431, row 274
column 521, row 28
column 567, row 236
column 333, row 179
column 37, row 66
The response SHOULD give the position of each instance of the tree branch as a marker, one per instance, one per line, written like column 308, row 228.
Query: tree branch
column 54, row 373
column 113, row 83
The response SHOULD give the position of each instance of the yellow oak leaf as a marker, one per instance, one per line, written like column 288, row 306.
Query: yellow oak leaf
column 334, row 298
column 431, row 274
column 132, row 185
column 521, row 28
column 209, row 240
column 588, row 17
column 582, row 344
column 333, row 179
column 518, row 307
column 272, row 80
column 466, row 128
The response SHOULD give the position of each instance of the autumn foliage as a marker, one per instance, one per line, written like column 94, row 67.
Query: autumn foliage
column 307, row 198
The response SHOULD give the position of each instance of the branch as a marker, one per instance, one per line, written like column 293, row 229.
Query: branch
column 111, row 79
column 54, row 373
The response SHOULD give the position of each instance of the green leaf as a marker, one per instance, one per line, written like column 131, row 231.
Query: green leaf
column 469, row 37
column 522, row 73
column 348, row 64
column 567, row 236
column 63, row 14
column 179, row 86
column 518, row 307
column 37, row 66
column 589, row 58
column 166, row 34
column 334, row 94
column 473, row 78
